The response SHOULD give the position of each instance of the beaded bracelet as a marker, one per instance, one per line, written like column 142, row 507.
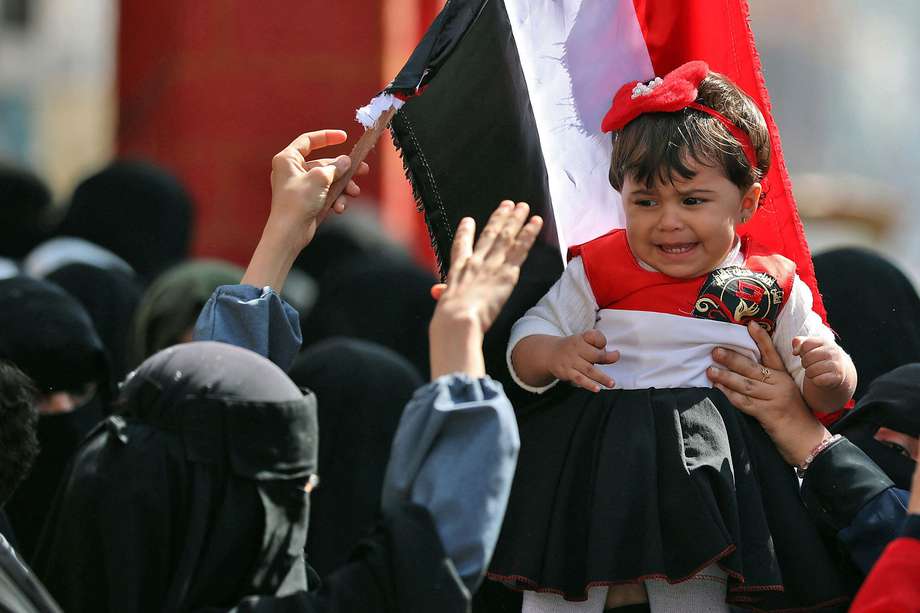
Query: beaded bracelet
column 800, row 470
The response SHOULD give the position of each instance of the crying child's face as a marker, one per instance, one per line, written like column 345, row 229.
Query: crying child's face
column 685, row 228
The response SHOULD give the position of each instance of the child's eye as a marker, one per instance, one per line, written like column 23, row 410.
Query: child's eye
column 693, row 201
column 644, row 203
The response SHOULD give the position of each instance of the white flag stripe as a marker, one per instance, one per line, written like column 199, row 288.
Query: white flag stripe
column 574, row 54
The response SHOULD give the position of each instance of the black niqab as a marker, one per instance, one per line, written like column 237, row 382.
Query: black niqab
column 25, row 208
column 385, row 301
column 136, row 210
column 891, row 401
column 874, row 309
column 361, row 390
column 192, row 495
column 49, row 336
column 110, row 297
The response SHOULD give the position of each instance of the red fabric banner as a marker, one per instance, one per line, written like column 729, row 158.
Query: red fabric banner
column 719, row 32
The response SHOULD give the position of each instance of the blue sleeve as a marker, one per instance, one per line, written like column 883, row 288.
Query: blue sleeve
column 876, row 524
column 454, row 453
column 252, row 318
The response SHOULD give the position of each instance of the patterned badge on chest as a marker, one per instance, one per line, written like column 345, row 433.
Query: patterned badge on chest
column 737, row 295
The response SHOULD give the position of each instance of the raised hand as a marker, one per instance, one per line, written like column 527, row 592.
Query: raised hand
column 299, row 190
column 482, row 276
column 479, row 283
column 300, row 186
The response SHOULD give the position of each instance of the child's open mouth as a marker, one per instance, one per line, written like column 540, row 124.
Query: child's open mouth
column 677, row 248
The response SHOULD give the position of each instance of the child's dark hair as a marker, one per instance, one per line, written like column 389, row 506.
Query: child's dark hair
column 657, row 146
column 18, row 428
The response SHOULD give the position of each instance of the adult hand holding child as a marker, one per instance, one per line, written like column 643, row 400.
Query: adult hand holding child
column 768, row 393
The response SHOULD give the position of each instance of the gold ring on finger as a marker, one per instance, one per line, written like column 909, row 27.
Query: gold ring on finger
column 765, row 374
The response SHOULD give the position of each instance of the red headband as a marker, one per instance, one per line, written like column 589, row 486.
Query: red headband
column 678, row 90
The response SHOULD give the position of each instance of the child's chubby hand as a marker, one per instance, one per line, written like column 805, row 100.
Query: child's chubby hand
column 574, row 359
column 825, row 363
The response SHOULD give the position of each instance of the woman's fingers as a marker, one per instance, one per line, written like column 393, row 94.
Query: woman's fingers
column 507, row 234
column 525, row 240
column 735, row 362
column 769, row 356
column 310, row 141
column 738, row 383
column 437, row 290
column 462, row 248
column 492, row 228
column 743, row 403
column 352, row 189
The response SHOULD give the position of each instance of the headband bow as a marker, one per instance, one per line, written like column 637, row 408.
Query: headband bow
column 678, row 90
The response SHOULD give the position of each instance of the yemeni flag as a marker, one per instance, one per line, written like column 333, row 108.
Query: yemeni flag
column 504, row 99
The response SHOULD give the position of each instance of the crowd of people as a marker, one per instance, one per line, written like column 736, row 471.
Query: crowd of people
column 164, row 421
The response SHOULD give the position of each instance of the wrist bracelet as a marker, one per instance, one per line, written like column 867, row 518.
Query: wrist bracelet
column 800, row 469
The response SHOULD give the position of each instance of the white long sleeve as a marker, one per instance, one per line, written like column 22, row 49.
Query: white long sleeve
column 568, row 308
column 798, row 319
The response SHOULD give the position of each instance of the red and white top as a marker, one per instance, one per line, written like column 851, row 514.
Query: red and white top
column 666, row 328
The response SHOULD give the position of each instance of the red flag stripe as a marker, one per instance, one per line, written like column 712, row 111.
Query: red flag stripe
column 718, row 31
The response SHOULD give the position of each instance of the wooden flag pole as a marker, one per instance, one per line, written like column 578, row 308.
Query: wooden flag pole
column 364, row 146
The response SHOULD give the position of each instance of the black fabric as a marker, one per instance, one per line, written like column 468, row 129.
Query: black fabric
column 892, row 400
column 192, row 495
column 911, row 527
column 25, row 208
column 136, row 210
column 400, row 568
column 385, row 301
column 623, row 485
column 442, row 37
column 873, row 307
column 20, row 591
column 110, row 297
column 343, row 238
column 630, row 608
column 48, row 335
column 839, row 482
column 361, row 390
column 6, row 529
column 471, row 141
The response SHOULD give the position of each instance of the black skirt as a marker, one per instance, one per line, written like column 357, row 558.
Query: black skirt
column 626, row 485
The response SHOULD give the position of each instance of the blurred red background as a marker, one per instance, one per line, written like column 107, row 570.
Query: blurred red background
column 212, row 89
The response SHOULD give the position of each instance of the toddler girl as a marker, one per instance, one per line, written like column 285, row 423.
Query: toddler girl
column 645, row 482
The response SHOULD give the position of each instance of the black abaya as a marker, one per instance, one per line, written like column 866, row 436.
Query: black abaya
column 361, row 389
column 192, row 495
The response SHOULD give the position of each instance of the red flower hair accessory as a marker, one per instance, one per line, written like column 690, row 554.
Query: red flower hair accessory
column 678, row 90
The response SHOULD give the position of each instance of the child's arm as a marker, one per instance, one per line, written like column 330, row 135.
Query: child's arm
column 830, row 375
column 823, row 371
column 555, row 339
column 541, row 359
